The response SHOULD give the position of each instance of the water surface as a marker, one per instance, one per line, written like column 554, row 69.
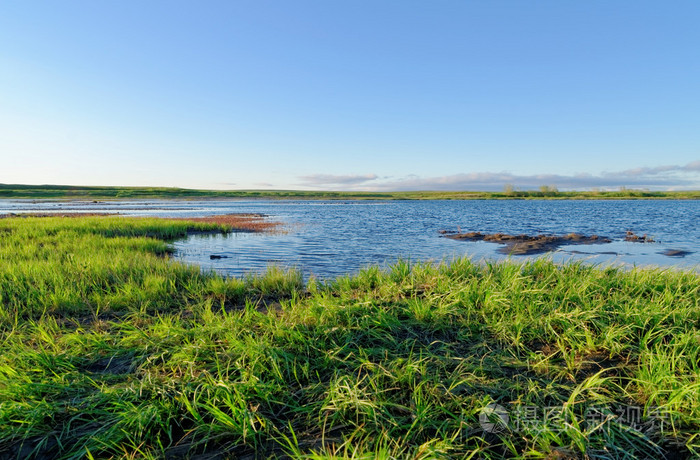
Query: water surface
column 331, row 238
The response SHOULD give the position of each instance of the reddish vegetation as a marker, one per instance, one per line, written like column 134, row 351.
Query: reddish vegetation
column 236, row 222
column 239, row 222
column 57, row 214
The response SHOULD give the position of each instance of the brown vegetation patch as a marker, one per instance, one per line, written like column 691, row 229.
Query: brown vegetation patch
column 238, row 222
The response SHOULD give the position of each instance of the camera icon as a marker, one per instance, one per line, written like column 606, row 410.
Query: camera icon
column 494, row 418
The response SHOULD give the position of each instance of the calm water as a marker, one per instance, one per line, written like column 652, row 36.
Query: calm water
column 331, row 238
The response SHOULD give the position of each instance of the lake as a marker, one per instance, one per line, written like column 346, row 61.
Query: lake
column 331, row 238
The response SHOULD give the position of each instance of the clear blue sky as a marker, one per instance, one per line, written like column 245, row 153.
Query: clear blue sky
column 354, row 95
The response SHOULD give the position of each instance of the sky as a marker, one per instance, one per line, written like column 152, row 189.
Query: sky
column 353, row 95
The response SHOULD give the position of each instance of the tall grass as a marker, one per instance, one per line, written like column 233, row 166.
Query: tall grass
column 110, row 350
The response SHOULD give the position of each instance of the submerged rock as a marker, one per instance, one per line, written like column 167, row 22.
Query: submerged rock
column 526, row 244
column 676, row 253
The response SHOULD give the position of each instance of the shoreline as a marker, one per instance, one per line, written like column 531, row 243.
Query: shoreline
column 90, row 193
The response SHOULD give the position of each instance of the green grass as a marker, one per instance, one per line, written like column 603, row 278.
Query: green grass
column 110, row 350
column 92, row 193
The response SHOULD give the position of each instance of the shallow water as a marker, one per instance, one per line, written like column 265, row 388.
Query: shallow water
column 331, row 238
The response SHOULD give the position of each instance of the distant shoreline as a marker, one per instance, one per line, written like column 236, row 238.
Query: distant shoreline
column 90, row 193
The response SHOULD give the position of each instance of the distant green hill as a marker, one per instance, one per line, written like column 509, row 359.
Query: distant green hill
column 92, row 193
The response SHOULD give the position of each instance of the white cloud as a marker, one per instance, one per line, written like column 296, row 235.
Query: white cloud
column 664, row 177
column 314, row 180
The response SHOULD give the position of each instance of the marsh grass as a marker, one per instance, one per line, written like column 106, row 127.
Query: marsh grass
column 110, row 350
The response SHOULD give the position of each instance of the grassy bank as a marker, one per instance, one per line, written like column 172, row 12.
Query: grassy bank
column 109, row 350
column 91, row 193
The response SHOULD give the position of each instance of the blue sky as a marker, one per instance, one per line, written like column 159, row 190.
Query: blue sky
column 355, row 95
